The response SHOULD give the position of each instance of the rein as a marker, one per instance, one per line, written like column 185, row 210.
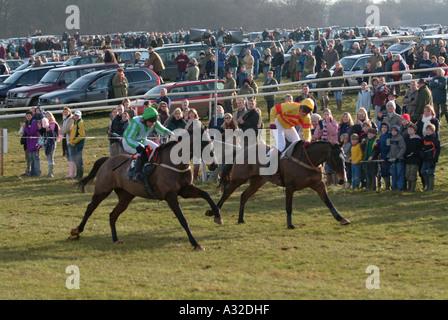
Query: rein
column 309, row 160
column 173, row 168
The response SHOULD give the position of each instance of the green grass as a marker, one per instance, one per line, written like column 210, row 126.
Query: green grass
column 403, row 234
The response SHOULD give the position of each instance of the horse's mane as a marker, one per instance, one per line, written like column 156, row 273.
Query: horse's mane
column 167, row 145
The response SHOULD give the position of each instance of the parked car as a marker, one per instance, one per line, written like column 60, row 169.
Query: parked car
column 80, row 60
column 22, row 78
column 13, row 64
column 185, row 87
column 45, row 64
column 353, row 65
column 98, row 86
column 3, row 77
column 427, row 39
column 128, row 57
column 169, row 53
column 55, row 79
column 401, row 47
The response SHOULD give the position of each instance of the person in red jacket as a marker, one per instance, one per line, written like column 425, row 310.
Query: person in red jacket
column 182, row 61
column 380, row 98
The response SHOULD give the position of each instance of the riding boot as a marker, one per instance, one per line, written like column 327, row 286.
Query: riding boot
column 138, row 174
column 339, row 105
column 430, row 184
column 412, row 185
column 196, row 172
column 79, row 172
column 368, row 183
column 71, row 170
column 50, row 171
column 387, row 183
column 374, row 184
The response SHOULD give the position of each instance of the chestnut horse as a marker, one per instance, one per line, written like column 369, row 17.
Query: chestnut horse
column 300, row 170
column 167, row 182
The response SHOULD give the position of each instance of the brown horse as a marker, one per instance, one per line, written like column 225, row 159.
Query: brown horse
column 167, row 182
column 300, row 170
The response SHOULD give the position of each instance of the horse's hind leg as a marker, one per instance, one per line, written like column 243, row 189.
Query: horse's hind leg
column 194, row 192
column 124, row 199
column 94, row 203
column 321, row 190
column 173, row 202
column 256, row 183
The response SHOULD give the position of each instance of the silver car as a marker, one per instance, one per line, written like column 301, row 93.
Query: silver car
column 353, row 65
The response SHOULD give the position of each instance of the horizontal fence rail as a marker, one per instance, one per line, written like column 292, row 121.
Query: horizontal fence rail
column 105, row 104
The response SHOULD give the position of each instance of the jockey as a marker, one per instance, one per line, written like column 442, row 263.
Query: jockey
column 135, row 140
column 285, row 117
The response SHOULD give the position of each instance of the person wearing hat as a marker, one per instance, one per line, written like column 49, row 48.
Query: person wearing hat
column 322, row 95
column 424, row 98
column 3, row 69
column 396, row 158
column 284, row 117
column 76, row 143
column 246, row 88
column 391, row 117
column 135, row 140
column 438, row 91
column 405, row 122
column 120, row 84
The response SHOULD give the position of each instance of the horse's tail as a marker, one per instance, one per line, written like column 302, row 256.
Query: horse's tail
column 225, row 176
column 83, row 182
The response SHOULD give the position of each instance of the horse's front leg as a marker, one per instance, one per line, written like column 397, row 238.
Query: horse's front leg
column 289, row 199
column 194, row 192
column 321, row 190
column 173, row 202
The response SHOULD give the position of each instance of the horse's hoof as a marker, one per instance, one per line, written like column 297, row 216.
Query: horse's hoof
column 119, row 242
column 241, row 222
column 75, row 232
column 218, row 220
column 209, row 213
column 344, row 222
column 291, row 227
column 199, row 248
column 72, row 237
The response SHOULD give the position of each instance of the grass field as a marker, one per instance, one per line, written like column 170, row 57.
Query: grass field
column 403, row 234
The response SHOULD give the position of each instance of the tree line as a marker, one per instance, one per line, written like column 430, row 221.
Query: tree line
column 23, row 17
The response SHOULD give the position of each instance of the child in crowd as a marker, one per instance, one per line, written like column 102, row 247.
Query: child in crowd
column 364, row 98
column 370, row 154
column 384, row 148
column 412, row 156
column 379, row 67
column 355, row 160
column 315, row 119
column 346, row 147
column 430, row 156
column 396, row 158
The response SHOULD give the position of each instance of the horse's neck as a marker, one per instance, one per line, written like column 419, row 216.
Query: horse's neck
column 317, row 152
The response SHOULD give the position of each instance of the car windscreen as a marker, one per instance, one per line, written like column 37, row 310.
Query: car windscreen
column 348, row 63
column 79, row 83
column 398, row 47
column 154, row 93
column 70, row 62
column 51, row 77
column 14, row 77
column 237, row 50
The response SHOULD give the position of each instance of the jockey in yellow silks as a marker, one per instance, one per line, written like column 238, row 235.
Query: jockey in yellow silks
column 286, row 116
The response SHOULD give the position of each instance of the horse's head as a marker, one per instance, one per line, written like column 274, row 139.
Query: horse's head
column 201, row 146
column 336, row 162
